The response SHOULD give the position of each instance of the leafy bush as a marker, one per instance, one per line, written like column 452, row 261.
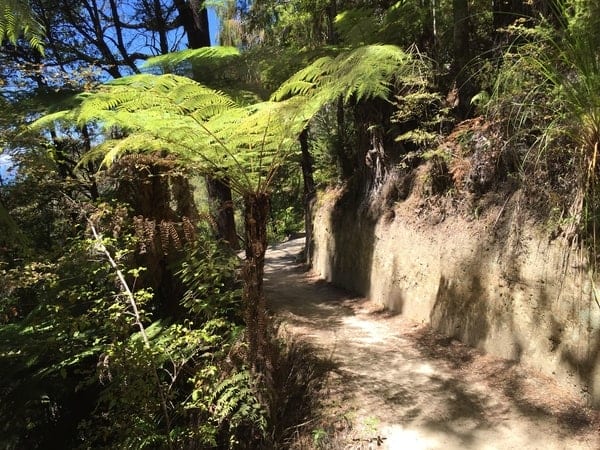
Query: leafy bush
column 209, row 272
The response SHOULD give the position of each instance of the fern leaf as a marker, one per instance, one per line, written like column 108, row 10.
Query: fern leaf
column 16, row 19
column 206, row 56
column 306, row 79
column 366, row 72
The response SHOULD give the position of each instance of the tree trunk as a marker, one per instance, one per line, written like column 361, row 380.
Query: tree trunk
column 428, row 39
column 375, row 162
column 194, row 18
column 310, row 193
column 256, row 214
column 331, row 14
column 221, row 205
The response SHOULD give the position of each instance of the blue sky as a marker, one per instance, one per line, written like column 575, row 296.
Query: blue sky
column 213, row 26
column 213, row 23
column 5, row 164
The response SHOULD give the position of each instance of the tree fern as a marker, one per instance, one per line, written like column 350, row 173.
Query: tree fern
column 246, row 144
column 198, row 124
column 16, row 19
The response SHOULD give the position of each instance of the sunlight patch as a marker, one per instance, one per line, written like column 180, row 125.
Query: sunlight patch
column 374, row 332
column 398, row 437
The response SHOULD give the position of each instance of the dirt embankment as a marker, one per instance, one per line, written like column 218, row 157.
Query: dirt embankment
column 396, row 384
column 492, row 280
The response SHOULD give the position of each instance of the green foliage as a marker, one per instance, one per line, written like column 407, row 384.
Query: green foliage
column 209, row 58
column 179, row 357
column 75, row 363
column 418, row 105
column 357, row 26
column 209, row 273
column 296, row 25
column 368, row 72
column 286, row 221
column 201, row 126
column 273, row 66
column 16, row 18
column 235, row 405
column 208, row 130
column 222, row 68
column 55, row 324
column 9, row 230
column 401, row 24
column 549, row 89
column 248, row 77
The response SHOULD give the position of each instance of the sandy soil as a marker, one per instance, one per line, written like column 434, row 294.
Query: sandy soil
column 398, row 385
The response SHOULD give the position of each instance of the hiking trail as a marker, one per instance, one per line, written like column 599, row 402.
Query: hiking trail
column 403, row 386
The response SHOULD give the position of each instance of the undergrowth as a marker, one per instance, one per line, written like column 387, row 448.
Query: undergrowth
column 548, row 96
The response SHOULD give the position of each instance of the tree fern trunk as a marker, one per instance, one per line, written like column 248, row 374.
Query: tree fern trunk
column 256, row 215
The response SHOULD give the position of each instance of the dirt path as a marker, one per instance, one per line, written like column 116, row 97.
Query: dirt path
column 408, row 388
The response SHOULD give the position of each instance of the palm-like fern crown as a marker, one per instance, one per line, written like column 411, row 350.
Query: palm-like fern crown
column 202, row 126
column 16, row 19
column 208, row 129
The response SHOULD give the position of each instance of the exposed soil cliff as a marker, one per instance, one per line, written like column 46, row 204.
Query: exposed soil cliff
column 494, row 281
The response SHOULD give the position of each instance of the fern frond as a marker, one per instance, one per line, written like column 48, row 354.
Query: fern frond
column 16, row 19
column 370, row 71
column 47, row 121
column 366, row 72
column 235, row 402
column 293, row 87
column 111, row 150
column 309, row 78
column 169, row 94
column 206, row 56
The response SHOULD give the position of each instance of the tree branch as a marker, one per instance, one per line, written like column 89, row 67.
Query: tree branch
column 137, row 318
